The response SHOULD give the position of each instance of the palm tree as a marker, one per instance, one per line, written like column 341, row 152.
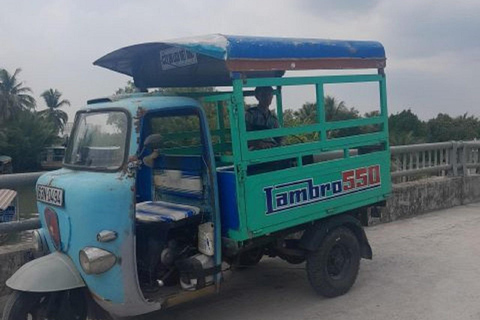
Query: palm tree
column 57, row 117
column 14, row 97
column 307, row 114
column 335, row 110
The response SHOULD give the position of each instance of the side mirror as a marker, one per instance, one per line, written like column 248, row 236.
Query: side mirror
column 153, row 141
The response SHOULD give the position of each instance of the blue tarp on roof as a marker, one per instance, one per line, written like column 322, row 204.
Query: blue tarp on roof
column 210, row 60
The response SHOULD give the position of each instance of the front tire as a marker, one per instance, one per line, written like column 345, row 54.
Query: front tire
column 333, row 267
column 61, row 305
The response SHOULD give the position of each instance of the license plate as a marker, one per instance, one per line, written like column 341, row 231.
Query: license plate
column 50, row 195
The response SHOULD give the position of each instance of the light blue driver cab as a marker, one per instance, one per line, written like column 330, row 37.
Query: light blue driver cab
column 100, row 193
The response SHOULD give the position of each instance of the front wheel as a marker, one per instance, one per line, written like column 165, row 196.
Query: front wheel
column 61, row 305
column 333, row 267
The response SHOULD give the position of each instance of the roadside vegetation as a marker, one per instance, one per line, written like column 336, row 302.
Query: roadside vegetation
column 25, row 132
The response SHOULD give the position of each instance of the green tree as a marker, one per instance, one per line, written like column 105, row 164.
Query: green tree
column 406, row 128
column 26, row 138
column 53, row 113
column 334, row 111
column 337, row 110
column 289, row 118
column 14, row 97
column 402, row 138
column 445, row 128
column 129, row 88
column 173, row 127
column 307, row 114
column 186, row 91
column 3, row 140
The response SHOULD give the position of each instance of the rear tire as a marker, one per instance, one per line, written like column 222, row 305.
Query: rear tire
column 333, row 268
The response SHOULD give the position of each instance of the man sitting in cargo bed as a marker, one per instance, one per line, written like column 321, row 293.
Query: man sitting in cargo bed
column 261, row 118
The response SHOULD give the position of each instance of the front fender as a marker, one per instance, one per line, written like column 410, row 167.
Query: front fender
column 53, row 272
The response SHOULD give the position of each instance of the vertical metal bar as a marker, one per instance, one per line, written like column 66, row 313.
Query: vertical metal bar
column 383, row 107
column 417, row 157
column 239, row 146
column 435, row 155
column 17, row 207
column 410, row 164
column 404, row 166
column 464, row 159
column 221, row 125
column 453, row 160
column 448, row 157
column 278, row 96
column 239, row 127
column 299, row 162
column 321, row 111
column 477, row 168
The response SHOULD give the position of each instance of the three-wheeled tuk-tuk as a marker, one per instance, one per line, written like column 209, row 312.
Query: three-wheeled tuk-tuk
column 159, row 194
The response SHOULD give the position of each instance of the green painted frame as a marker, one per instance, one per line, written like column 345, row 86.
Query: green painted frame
column 251, row 203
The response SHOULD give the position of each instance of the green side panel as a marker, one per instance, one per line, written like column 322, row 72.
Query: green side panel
column 282, row 199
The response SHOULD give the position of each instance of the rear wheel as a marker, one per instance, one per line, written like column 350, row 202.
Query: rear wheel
column 333, row 267
column 61, row 305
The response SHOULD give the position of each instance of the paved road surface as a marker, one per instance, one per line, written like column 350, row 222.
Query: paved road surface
column 426, row 267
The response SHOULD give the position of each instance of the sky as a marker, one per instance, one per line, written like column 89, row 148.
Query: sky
column 432, row 46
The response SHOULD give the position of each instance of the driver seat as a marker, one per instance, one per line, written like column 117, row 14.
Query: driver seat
column 162, row 211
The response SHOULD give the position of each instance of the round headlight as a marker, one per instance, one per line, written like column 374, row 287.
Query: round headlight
column 40, row 245
column 95, row 260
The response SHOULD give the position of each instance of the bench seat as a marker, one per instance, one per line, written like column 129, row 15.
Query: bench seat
column 162, row 211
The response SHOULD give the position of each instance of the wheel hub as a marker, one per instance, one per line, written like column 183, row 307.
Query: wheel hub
column 338, row 261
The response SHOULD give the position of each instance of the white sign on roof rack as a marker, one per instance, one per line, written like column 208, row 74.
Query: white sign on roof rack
column 174, row 57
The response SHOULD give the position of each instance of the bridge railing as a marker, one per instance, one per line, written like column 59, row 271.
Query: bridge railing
column 454, row 158
column 409, row 162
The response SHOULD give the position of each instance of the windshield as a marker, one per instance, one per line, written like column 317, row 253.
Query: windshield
column 98, row 140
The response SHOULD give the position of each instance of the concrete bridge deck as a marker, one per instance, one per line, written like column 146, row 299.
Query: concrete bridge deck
column 426, row 267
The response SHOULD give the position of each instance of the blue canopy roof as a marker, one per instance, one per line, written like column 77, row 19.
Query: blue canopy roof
column 210, row 60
